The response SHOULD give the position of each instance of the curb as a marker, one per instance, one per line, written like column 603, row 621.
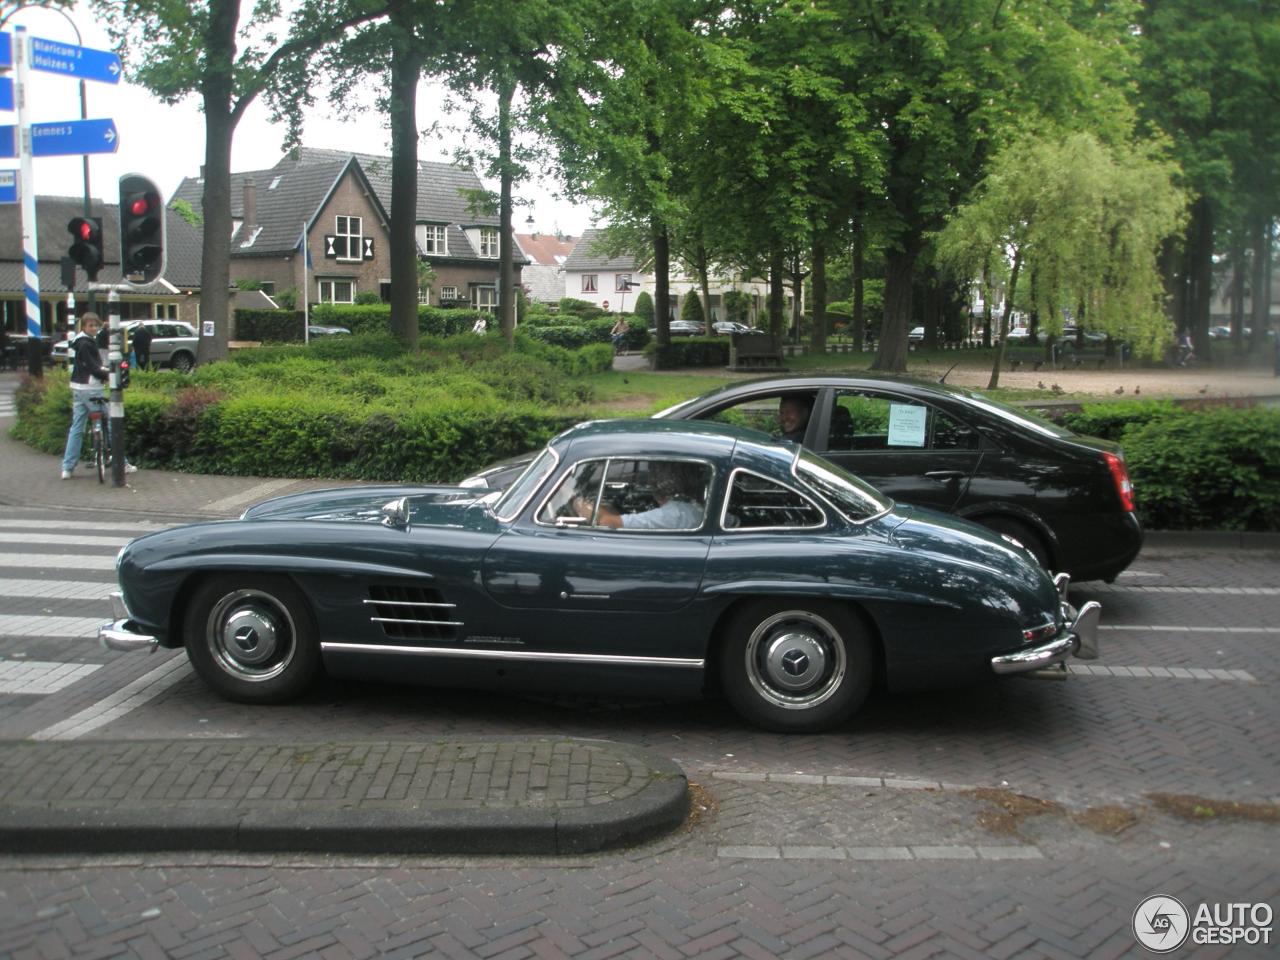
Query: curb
column 406, row 827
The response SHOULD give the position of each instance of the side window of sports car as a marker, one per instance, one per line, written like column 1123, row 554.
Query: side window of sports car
column 579, row 489
column 756, row 502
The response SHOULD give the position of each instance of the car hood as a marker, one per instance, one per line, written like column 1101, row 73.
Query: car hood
column 426, row 504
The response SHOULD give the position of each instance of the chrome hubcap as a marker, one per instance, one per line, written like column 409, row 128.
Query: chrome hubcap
column 795, row 659
column 251, row 635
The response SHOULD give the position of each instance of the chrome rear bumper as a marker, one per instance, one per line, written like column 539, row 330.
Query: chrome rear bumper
column 1079, row 639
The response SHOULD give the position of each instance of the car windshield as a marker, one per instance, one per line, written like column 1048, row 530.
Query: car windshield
column 518, row 493
column 855, row 499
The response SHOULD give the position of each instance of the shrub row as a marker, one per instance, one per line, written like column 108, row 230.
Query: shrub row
column 577, row 335
column 376, row 318
column 269, row 326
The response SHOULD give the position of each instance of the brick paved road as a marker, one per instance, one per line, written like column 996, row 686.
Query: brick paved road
column 869, row 841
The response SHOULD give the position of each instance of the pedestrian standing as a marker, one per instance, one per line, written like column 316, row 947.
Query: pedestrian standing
column 88, row 381
column 141, row 344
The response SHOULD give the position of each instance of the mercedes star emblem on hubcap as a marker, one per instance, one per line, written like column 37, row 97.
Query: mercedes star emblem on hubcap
column 795, row 662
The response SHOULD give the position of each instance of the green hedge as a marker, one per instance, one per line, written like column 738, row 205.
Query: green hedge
column 576, row 335
column 689, row 352
column 376, row 318
column 355, row 407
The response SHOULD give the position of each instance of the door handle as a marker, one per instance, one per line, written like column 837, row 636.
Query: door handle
column 946, row 476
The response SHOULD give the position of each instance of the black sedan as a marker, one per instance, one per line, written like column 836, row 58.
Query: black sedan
column 1067, row 498
column 629, row 556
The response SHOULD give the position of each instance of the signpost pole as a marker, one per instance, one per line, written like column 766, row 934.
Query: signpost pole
column 26, row 187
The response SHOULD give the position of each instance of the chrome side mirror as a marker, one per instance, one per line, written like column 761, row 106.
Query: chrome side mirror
column 396, row 514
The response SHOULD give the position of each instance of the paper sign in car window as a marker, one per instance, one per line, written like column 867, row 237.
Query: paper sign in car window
column 906, row 425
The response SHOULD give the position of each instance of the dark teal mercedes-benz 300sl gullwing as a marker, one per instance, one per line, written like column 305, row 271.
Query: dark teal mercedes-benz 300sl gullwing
column 630, row 556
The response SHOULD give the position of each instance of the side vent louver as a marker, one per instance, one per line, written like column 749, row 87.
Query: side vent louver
column 412, row 613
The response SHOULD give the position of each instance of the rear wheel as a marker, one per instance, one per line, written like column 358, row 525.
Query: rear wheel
column 99, row 454
column 183, row 362
column 796, row 666
column 252, row 638
column 1023, row 534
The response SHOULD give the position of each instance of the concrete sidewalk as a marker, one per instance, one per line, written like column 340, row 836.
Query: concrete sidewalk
column 509, row 796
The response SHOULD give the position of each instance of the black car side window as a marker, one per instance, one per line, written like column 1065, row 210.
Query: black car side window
column 862, row 421
column 755, row 502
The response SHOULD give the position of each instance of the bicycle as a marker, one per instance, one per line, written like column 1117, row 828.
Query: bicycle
column 100, row 454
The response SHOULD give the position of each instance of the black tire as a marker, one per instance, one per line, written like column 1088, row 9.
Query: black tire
column 252, row 637
column 182, row 362
column 1024, row 535
column 796, row 666
column 100, row 455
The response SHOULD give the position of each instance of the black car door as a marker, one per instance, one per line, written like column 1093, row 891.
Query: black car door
column 912, row 450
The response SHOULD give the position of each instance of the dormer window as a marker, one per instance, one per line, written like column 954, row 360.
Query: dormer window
column 235, row 227
column 488, row 241
column 432, row 240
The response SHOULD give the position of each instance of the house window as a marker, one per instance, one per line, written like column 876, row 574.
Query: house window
column 337, row 291
column 424, row 295
column 164, row 311
column 589, row 281
column 488, row 242
column 384, row 291
column 347, row 238
column 269, row 287
column 433, row 240
column 448, row 293
column 484, row 298
column 622, row 282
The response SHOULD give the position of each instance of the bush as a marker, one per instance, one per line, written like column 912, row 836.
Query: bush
column 376, row 318
column 1207, row 469
column 737, row 305
column 644, row 308
column 689, row 352
column 691, row 308
column 1110, row 420
column 581, row 309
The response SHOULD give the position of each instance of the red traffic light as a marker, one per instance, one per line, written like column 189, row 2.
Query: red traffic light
column 86, row 247
column 139, row 206
column 84, row 229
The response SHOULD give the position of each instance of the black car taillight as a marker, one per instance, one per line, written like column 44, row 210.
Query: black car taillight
column 1120, row 474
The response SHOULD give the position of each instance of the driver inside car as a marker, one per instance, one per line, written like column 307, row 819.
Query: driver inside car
column 679, row 503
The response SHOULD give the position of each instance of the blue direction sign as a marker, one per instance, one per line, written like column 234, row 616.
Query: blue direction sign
column 8, row 186
column 69, row 137
column 74, row 61
column 6, row 50
column 65, row 138
column 6, row 93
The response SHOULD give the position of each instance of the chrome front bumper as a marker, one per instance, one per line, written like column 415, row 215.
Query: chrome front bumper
column 1079, row 639
column 122, row 633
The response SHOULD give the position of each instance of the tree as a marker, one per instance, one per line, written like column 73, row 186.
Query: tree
column 1085, row 221
column 691, row 308
column 644, row 307
column 176, row 50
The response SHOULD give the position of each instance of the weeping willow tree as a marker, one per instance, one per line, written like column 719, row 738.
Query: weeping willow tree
column 1086, row 220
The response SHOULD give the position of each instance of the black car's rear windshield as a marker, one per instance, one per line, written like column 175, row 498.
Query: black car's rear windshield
column 1016, row 415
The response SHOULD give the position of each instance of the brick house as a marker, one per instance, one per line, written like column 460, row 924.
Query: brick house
column 174, row 296
column 341, row 203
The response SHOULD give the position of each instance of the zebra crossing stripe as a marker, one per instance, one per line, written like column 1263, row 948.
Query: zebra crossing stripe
column 51, row 539
column 39, row 677
column 55, row 589
column 58, row 561
column 39, row 526
column 145, row 688
column 51, row 628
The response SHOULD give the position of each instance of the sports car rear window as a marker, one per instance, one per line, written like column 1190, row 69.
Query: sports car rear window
column 852, row 497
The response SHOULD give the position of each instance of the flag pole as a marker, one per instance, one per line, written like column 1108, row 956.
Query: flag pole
column 306, row 285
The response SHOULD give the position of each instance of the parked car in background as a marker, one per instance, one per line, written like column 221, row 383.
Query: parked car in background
column 733, row 326
column 173, row 344
column 916, row 335
column 781, row 581
column 682, row 328
column 319, row 330
column 1067, row 498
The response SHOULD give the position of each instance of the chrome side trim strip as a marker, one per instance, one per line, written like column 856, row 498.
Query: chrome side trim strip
column 410, row 603
column 432, row 623
column 595, row 658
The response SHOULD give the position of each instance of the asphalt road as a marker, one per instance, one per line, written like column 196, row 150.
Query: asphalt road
column 1020, row 818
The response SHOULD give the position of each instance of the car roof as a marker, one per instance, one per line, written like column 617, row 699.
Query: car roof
column 646, row 437
column 800, row 382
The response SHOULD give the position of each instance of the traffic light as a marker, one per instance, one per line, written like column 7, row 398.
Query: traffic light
column 141, row 229
column 86, row 244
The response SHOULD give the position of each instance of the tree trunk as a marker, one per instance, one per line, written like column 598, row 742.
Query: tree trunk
column 406, row 69
column 1004, row 319
column 777, row 265
column 1172, row 262
column 1237, row 296
column 986, row 303
column 220, row 123
column 506, row 239
column 859, row 316
column 1200, row 271
column 703, row 267
column 818, row 336
column 1259, row 305
column 661, row 280
column 797, row 298
column 891, row 355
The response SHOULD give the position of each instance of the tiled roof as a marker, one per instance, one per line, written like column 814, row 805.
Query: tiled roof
column 182, row 245
column 588, row 256
column 545, row 249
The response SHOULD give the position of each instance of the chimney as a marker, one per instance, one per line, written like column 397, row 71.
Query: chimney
column 250, row 207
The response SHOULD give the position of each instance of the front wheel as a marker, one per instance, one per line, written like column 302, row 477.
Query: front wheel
column 100, row 454
column 252, row 638
column 796, row 667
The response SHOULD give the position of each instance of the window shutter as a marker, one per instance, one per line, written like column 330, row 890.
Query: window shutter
column 368, row 248
column 334, row 247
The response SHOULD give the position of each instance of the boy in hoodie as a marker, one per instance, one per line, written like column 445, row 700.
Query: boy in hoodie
column 88, row 377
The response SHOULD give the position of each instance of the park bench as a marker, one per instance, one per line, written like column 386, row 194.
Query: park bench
column 753, row 351
column 1033, row 354
column 1094, row 353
